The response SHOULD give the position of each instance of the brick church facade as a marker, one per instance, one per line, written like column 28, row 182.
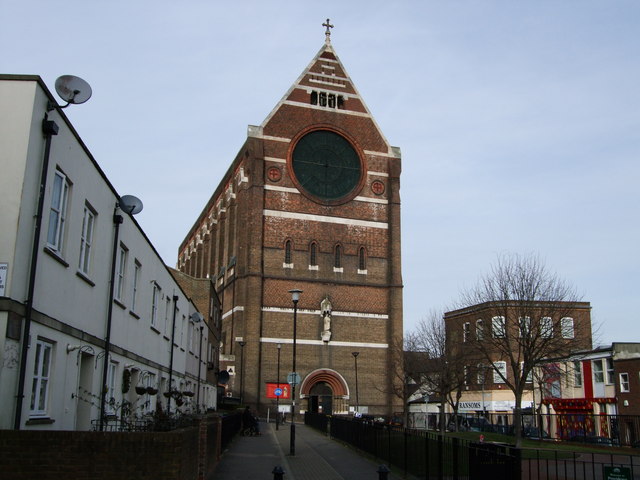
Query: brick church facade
column 311, row 202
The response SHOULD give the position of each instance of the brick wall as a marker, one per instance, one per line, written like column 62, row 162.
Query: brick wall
column 43, row 455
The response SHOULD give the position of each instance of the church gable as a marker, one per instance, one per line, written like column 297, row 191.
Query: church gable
column 325, row 94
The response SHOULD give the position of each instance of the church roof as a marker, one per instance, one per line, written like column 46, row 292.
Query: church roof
column 324, row 85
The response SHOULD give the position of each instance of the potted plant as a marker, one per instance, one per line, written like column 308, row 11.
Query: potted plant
column 152, row 390
column 141, row 389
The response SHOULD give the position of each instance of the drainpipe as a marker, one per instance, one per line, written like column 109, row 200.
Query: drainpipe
column 49, row 128
column 117, row 221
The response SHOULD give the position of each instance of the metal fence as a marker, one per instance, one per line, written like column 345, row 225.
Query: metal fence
column 589, row 428
column 429, row 455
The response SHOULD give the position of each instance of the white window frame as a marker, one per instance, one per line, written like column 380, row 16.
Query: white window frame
column 41, row 378
column 167, row 313
column 155, row 300
column 498, row 325
column 577, row 373
column 502, row 367
column 546, row 327
column 481, row 376
column 609, row 371
column 58, row 211
column 466, row 332
column 123, row 254
column 136, row 281
column 86, row 239
column 529, row 378
column 624, row 383
column 567, row 327
column 598, row 370
column 479, row 329
column 524, row 326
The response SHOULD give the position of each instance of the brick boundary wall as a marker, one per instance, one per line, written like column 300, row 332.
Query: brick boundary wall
column 184, row 454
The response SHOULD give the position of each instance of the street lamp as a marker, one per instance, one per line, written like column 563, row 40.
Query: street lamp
column 295, row 296
column 355, row 359
column 278, row 386
column 242, row 344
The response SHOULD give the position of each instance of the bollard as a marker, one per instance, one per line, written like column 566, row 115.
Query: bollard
column 383, row 472
column 278, row 473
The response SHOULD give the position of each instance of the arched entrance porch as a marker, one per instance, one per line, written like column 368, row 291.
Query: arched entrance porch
column 326, row 392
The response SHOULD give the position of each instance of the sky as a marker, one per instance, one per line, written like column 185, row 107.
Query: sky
column 518, row 122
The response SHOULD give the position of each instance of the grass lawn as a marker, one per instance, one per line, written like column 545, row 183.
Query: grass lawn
column 547, row 449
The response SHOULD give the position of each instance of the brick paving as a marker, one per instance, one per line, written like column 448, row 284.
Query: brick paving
column 317, row 457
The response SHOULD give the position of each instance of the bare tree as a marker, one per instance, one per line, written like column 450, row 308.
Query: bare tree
column 444, row 365
column 532, row 318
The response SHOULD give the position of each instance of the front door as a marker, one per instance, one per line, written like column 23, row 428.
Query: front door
column 321, row 399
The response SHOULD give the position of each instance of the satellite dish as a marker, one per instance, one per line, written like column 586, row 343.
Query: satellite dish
column 223, row 377
column 73, row 89
column 130, row 204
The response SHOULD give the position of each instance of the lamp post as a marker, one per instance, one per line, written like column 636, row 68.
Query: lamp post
column 295, row 296
column 355, row 359
column 242, row 344
column 278, row 386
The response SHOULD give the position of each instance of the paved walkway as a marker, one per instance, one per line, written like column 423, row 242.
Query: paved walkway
column 317, row 457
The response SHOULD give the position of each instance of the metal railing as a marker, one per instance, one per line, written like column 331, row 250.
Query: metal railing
column 430, row 455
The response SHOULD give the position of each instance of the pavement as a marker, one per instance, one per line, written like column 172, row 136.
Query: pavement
column 317, row 457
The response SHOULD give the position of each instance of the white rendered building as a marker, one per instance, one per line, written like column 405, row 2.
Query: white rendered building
column 55, row 294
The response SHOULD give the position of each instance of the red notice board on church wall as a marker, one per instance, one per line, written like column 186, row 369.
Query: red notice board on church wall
column 271, row 390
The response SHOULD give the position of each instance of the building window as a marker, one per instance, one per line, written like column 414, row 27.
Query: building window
column 498, row 369
column 313, row 256
column 546, row 327
column 190, row 336
column 362, row 260
column 466, row 331
column 337, row 261
column 624, row 382
column 566, row 327
column 40, row 382
column 58, row 212
column 324, row 99
column 525, row 326
column 529, row 377
column 288, row 262
column 155, row 299
column 136, row 279
column 86, row 239
column 482, row 372
column 610, row 371
column 497, row 327
column 122, row 268
column 479, row 329
column 577, row 374
column 110, row 401
column 598, row 371
column 167, row 316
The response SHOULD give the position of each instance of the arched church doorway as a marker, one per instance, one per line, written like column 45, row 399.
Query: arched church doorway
column 325, row 391
column 321, row 399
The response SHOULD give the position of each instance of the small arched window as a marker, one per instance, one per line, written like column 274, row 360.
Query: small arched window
column 338, row 257
column 287, row 252
column 313, row 254
column 362, row 259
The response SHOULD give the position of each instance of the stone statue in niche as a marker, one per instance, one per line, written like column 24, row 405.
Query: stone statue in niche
column 325, row 313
